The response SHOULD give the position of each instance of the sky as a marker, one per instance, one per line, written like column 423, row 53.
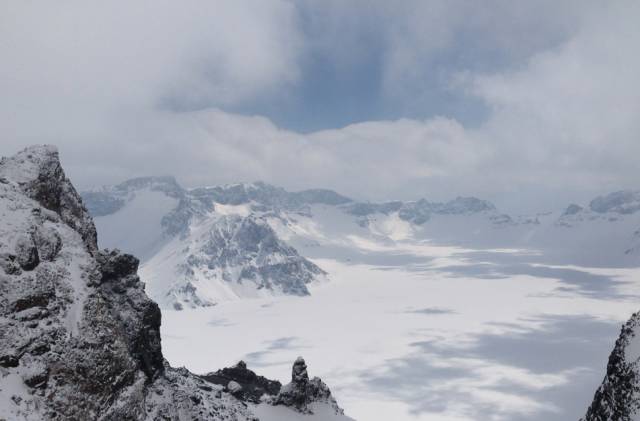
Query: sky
column 532, row 105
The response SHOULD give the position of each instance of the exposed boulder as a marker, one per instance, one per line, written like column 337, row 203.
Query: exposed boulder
column 302, row 392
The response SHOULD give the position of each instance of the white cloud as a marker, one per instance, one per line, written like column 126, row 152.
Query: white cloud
column 101, row 82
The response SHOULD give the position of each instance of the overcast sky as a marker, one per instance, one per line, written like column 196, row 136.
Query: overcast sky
column 529, row 104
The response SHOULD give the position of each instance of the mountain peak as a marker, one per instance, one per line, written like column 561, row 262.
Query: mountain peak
column 37, row 172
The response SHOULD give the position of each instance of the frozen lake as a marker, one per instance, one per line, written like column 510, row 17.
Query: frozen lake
column 417, row 331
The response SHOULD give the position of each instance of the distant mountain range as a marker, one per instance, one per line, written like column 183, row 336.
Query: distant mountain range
column 204, row 245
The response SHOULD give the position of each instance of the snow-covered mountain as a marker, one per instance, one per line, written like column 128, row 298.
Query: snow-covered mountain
column 205, row 245
column 211, row 244
column 80, row 339
column 223, row 257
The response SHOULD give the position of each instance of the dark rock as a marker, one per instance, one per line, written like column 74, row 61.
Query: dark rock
column 302, row 391
column 31, row 299
column 116, row 265
column 38, row 172
column 9, row 361
column 253, row 387
column 9, row 264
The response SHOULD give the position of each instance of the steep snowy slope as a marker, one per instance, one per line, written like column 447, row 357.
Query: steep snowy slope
column 79, row 338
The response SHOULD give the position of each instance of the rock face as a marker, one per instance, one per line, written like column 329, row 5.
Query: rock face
column 244, row 383
column 618, row 397
column 227, row 256
column 79, row 338
column 38, row 174
column 303, row 392
column 245, row 249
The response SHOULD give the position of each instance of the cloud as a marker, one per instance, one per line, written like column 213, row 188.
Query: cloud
column 137, row 88
column 143, row 53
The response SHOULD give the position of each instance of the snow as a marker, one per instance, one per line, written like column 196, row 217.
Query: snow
column 393, row 227
column 373, row 336
column 241, row 210
column 321, row 412
column 465, row 317
column 11, row 384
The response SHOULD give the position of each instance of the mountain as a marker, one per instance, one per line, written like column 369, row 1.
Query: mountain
column 618, row 397
column 227, row 256
column 204, row 245
column 79, row 338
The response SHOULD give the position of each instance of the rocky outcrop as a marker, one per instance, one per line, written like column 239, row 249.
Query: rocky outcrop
column 38, row 174
column 244, row 383
column 618, row 397
column 79, row 338
column 301, row 393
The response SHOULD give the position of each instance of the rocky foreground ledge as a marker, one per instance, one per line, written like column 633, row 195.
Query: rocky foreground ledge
column 80, row 339
column 618, row 397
